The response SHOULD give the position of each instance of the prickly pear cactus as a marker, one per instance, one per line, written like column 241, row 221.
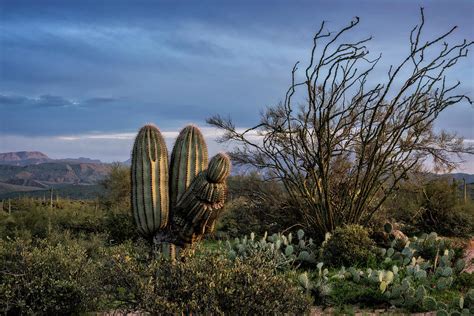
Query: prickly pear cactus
column 176, row 208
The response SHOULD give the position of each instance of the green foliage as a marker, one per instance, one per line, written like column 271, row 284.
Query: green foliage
column 348, row 292
column 464, row 282
column 46, row 278
column 206, row 283
column 119, row 226
column 117, row 188
column 37, row 220
column 349, row 245
column 118, row 220
column 279, row 250
column 256, row 206
column 433, row 205
column 443, row 212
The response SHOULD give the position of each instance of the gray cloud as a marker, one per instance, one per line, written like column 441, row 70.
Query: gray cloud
column 43, row 101
column 74, row 67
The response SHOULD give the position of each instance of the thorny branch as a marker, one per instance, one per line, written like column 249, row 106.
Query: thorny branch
column 343, row 151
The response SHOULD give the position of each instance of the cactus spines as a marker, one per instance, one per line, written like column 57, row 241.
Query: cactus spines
column 149, row 176
column 199, row 207
column 176, row 207
column 219, row 168
column 188, row 158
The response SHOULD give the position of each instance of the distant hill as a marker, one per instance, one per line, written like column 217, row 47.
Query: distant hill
column 460, row 176
column 32, row 171
column 78, row 160
column 25, row 158
column 44, row 174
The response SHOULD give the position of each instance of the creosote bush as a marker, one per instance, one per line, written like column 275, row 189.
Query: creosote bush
column 46, row 278
column 349, row 245
column 206, row 283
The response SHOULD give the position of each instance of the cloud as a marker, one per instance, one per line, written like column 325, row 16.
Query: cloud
column 45, row 100
column 100, row 100
column 93, row 73
column 107, row 147
column 8, row 100
column 50, row 101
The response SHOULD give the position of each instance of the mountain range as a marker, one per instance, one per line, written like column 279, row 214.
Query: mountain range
column 25, row 158
column 27, row 171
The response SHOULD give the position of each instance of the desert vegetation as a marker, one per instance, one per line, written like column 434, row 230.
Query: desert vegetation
column 336, row 213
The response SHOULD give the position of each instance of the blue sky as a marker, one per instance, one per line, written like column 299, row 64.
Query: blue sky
column 78, row 78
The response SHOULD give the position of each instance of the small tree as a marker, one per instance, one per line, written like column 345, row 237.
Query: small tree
column 347, row 145
column 117, row 187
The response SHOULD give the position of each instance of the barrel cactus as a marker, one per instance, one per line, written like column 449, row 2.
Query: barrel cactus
column 175, row 204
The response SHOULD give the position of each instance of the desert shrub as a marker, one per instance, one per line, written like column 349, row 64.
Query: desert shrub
column 347, row 292
column 432, row 205
column 46, row 279
column 349, row 245
column 117, row 187
column 207, row 283
column 256, row 206
column 35, row 221
column 442, row 212
column 120, row 225
column 78, row 217
column 429, row 246
column 39, row 220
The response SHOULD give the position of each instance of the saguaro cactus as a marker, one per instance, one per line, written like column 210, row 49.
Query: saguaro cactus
column 149, row 175
column 199, row 207
column 180, row 211
column 189, row 157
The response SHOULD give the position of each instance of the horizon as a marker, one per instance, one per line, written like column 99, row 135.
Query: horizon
column 78, row 79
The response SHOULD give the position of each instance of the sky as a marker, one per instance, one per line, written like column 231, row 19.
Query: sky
column 79, row 78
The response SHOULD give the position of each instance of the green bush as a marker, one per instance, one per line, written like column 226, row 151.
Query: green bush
column 256, row 206
column 39, row 220
column 443, row 212
column 432, row 205
column 46, row 279
column 347, row 292
column 348, row 246
column 206, row 283
column 35, row 218
column 120, row 225
column 117, row 188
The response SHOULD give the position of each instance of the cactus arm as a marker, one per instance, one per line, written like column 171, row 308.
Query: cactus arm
column 188, row 158
column 198, row 208
column 149, row 175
